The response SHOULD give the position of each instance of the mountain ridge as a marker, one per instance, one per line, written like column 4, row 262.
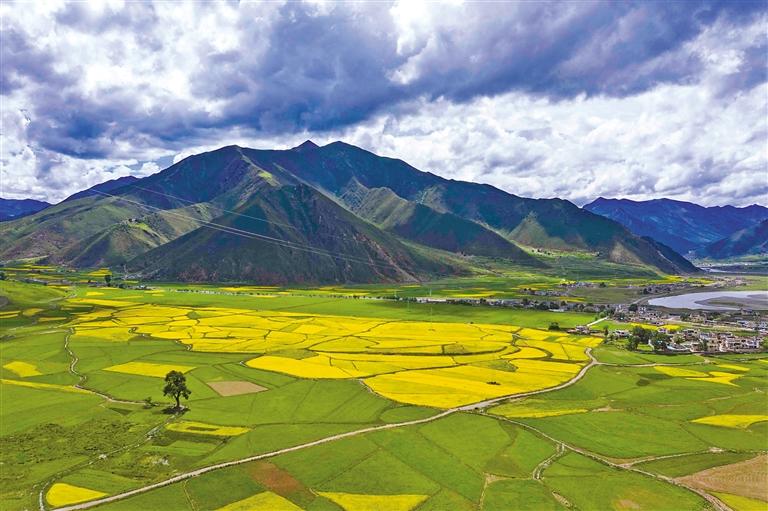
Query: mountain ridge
column 684, row 226
column 744, row 242
column 387, row 194
column 12, row 209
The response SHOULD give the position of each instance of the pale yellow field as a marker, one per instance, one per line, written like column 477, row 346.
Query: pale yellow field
column 44, row 386
column 521, row 412
column 677, row 371
column 733, row 367
column 731, row 421
column 266, row 501
column 688, row 374
column 148, row 368
column 739, row 503
column 22, row 369
column 462, row 385
column 63, row 494
column 417, row 362
column 318, row 366
column 201, row 428
column 362, row 502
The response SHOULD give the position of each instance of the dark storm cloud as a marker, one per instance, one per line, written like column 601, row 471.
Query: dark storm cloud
column 322, row 70
column 318, row 71
column 22, row 62
column 92, row 85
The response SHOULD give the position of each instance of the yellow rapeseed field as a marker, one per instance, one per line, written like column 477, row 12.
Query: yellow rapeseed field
column 201, row 428
column 44, row 386
column 318, row 366
column 22, row 369
column 63, row 494
column 739, row 503
column 364, row 502
column 733, row 367
column 515, row 411
column 148, row 368
column 679, row 371
column 461, row 385
column 419, row 362
column 266, row 501
column 688, row 374
column 731, row 420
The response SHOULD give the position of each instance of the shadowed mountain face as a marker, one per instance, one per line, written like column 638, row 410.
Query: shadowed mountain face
column 681, row 225
column 750, row 241
column 309, row 238
column 345, row 172
column 381, row 214
column 11, row 209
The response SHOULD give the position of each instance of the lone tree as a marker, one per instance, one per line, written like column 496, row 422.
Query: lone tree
column 108, row 279
column 176, row 386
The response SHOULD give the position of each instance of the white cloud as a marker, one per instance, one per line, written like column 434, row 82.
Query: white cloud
column 149, row 80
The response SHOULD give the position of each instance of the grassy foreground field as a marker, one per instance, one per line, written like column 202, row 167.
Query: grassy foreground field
column 388, row 388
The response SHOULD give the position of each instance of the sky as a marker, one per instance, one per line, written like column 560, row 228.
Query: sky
column 574, row 99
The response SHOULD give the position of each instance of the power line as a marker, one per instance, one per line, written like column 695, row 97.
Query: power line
column 214, row 206
column 272, row 222
column 252, row 235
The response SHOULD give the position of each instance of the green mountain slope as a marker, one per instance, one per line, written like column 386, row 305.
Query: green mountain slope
column 130, row 238
column 424, row 225
column 385, row 198
column 545, row 223
column 306, row 238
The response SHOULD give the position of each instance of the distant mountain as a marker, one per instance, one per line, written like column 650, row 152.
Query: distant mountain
column 318, row 197
column 105, row 187
column 683, row 226
column 750, row 241
column 11, row 209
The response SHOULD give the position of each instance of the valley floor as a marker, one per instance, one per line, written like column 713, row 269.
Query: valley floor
column 319, row 402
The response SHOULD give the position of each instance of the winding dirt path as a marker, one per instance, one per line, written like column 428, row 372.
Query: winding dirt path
column 715, row 502
column 204, row 470
column 82, row 378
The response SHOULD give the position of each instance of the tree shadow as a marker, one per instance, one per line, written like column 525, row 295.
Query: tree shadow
column 174, row 410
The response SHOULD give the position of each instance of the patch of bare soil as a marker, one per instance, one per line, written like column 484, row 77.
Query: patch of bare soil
column 277, row 480
column 747, row 478
column 235, row 388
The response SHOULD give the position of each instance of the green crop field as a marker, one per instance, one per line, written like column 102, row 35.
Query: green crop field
column 365, row 392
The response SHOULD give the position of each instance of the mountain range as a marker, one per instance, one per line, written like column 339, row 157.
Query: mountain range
column 11, row 209
column 745, row 242
column 335, row 213
column 687, row 228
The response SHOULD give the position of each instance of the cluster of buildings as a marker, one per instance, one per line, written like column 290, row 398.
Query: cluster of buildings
column 697, row 341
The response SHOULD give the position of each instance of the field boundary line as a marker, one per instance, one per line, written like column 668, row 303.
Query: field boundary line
column 716, row 503
column 204, row 470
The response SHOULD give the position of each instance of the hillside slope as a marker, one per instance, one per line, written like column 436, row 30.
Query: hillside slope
column 750, row 241
column 289, row 234
column 388, row 197
column 681, row 225
column 546, row 223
